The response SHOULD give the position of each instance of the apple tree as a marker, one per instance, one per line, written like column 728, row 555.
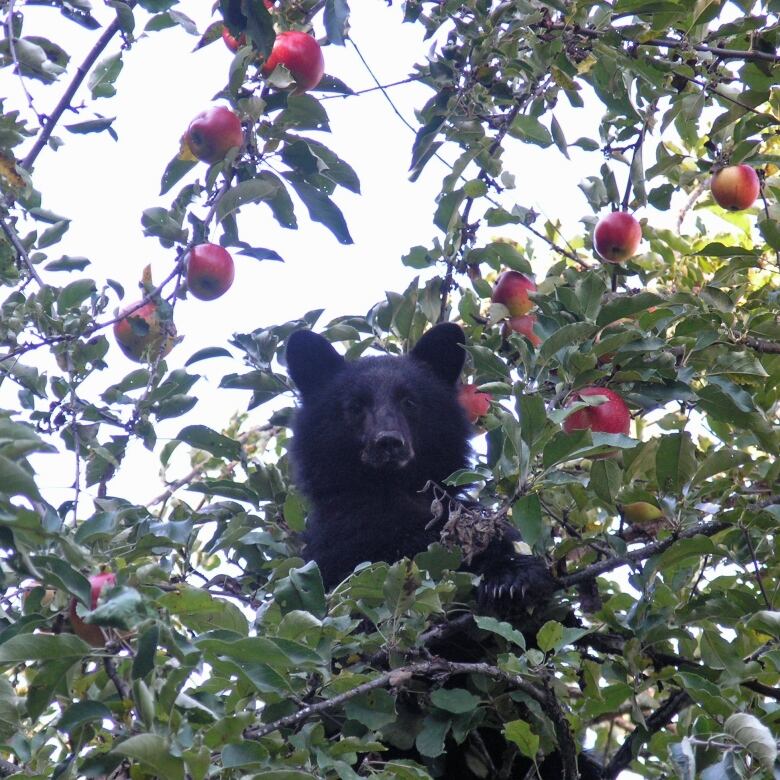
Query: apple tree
column 627, row 405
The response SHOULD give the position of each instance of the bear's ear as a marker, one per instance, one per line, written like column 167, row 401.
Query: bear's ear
column 441, row 348
column 311, row 361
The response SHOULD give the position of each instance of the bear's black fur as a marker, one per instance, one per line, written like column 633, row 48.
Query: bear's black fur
column 369, row 436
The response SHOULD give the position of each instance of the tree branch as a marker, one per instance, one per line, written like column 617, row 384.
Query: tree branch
column 21, row 252
column 659, row 719
column 435, row 669
column 654, row 548
column 72, row 88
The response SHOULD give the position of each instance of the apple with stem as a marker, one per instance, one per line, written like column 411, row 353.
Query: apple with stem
column 735, row 187
column 612, row 416
column 300, row 53
column 475, row 403
column 91, row 634
column 213, row 133
column 210, row 271
column 641, row 512
column 142, row 334
column 512, row 290
column 617, row 237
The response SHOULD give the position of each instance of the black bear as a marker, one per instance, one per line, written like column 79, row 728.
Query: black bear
column 369, row 436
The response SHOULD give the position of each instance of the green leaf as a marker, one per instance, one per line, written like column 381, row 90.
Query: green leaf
column 153, row 752
column 250, row 191
column 321, row 208
column 529, row 128
column 102, row 78
column 143, row 661
column 566, row 336
column 204, row 438
column 754, row 736
column 373, row 709
column 74, row 294
column 82, row 712
column 93, row 126
column 501, row 628
column 43, row 647
column 519, row 732
column 675, row 462
column 200, row 611
column 717, row 462
column 243, row 754
column 527, row 517
column 53, row 234
column 335, row 19
column 176, row 169
column 455, row 700
column 626, row 306
column 17, row 481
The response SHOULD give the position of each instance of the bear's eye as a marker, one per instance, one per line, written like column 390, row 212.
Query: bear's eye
column 407, row 402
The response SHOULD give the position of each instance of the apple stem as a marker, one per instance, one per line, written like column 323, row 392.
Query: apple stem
column 614, row 279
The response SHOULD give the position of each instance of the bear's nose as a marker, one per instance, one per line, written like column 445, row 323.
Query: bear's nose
column 388, row 449
column 390, row 442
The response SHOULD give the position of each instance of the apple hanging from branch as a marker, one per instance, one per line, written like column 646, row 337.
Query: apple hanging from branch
column 210, row 271
column 735, row 187
column 512, row 290
column 301, row 55
column 143, row 334
column 213, row 133
column 617, row 237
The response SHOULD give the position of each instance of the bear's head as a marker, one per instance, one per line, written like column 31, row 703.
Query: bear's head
column 385, row 420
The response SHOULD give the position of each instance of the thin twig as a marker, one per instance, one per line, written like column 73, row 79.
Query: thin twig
column 750, row 55
column 21, row 252
column 67, row 96
column 365, row 91
column 692, row 198
column 436, row 668
column 757, row 569
column 634, row 556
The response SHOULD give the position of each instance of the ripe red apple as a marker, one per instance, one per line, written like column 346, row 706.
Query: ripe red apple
column 609, row 417
column 735, row 187
column 142, row 334
column 301, row 55
column 234, row 44
column 617, row 237
column 91, row 634
column 210, row 271
column 474, row 402
column 524, row 324
column 512, row 290
column 213, row 133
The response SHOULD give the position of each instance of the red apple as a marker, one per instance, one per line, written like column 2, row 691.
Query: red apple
column 93, row 635
column 736, row 187
column 609, row 417
column 474, row 402
column 234, row 44
column 524, row 324
column 301, row 55
column 617, row 237
column 512, row 290
column 142, row 334
column 210, row 271
column 213, row 133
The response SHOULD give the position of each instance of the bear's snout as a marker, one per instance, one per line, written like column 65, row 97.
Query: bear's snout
column 388, row 449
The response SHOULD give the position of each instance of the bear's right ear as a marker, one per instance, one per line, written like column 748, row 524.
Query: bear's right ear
column 311, row 361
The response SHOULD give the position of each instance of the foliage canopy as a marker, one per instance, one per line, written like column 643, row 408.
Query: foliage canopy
column 224, row 657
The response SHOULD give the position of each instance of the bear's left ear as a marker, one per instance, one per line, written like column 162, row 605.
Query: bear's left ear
column 441, row 348
column 311, row 361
